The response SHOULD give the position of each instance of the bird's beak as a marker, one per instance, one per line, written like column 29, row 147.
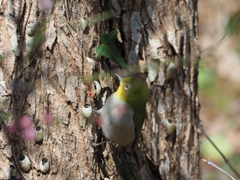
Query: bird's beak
column 119, row 77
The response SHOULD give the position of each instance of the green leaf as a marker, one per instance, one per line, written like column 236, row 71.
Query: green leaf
column 127, row 169
column 112, row 11
column 1, row 58
column 233, row 24
column 108, row 49
column 3, row 117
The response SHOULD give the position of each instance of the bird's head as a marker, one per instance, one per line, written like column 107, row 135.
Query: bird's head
column 133, row 91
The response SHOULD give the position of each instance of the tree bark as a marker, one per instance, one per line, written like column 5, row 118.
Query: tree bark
column 55, row 79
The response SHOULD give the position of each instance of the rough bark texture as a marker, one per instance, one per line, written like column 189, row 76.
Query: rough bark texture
column 162, row 34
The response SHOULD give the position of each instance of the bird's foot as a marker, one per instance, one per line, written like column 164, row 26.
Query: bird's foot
column 93, row 144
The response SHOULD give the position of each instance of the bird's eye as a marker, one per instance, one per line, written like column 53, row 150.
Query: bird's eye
column 127, row 87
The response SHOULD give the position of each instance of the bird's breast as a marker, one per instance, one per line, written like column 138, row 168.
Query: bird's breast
column 117, row 121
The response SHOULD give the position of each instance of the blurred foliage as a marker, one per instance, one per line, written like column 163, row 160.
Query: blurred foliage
column 221, row 142
column 3, row 117
column 211, row 87
column 1, row 58
column 233, row 25
column 206, row 80
column 233, row 29
column 219, row 28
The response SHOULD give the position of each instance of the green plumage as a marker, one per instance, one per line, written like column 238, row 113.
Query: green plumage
column 135, row 93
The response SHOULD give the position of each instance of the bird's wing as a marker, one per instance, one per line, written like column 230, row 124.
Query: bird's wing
column 138, row 119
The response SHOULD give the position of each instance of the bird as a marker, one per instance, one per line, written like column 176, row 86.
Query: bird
column 123, row 114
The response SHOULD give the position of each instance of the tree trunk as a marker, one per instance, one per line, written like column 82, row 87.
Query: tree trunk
column 45, row 72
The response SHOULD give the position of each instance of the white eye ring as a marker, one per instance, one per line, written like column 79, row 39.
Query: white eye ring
column 127, row 87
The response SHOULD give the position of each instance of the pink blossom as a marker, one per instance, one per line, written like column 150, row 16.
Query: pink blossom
column 25, row 122
column 12, row 128
column 29, row 133
column 46, row 4
column 48, row 118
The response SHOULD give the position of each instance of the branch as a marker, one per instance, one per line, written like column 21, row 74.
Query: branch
column 30, row 87
column 210, row 163
column 225, row 159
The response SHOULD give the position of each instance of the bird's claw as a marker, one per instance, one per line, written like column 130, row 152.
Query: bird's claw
column 93, row 144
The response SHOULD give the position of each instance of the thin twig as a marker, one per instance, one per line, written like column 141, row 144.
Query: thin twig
column 29, row 89
column 14, row 155
column 15, row 159
column 23, row 69
column 3, row 88
column 210, row 163
column 225, row 159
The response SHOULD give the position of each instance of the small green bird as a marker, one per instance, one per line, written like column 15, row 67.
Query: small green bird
column 123, row 114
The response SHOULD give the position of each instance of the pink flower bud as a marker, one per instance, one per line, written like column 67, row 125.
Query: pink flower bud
column 12, row 128
column 46, row 4
column 29, row 133
column 25, row 122
column 48, row 118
